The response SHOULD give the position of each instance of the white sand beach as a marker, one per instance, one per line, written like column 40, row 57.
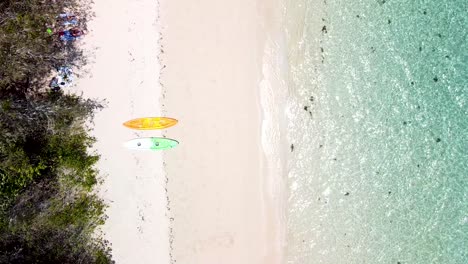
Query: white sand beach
column 125, row 71
column 220, row 201
column 221, row 207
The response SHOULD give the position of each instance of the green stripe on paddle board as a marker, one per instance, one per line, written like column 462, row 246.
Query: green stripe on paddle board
column 151, row 143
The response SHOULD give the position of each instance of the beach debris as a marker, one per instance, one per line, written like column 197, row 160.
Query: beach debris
column 67, row 19
column 292, row 147
column 438, row 140
column 63, row 79
column 70, row 34
column 436, row 79
column 66, row 26
column 346, row 194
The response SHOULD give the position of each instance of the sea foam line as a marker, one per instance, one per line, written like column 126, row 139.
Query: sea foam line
column 273, row 95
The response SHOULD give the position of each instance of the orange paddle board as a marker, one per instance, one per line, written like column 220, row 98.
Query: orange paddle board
column 149, row 123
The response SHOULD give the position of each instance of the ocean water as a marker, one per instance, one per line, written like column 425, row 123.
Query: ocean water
column 377, row 131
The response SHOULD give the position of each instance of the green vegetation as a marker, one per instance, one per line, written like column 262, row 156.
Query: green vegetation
column 49, row 212
column 27, row 51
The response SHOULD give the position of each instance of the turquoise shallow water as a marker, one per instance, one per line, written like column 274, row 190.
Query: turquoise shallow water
column 378, row 120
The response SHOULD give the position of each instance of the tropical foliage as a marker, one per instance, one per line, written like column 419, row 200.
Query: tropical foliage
column 49, row 212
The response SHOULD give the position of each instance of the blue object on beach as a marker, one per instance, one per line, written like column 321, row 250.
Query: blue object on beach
column 67, row 36
column 70, row 19
column 65, row 15
column 72, row 22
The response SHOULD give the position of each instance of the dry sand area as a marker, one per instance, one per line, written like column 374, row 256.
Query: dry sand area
column 125, row 71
